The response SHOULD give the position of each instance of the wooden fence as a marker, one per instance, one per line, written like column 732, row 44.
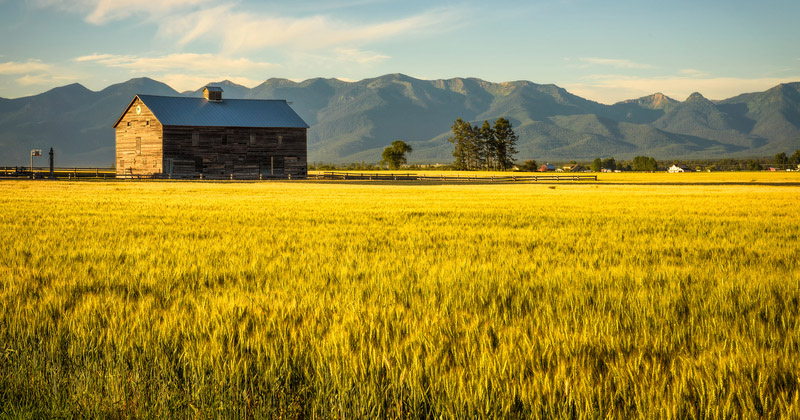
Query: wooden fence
column 110, row 173
column 451, row 178
column 44, row 172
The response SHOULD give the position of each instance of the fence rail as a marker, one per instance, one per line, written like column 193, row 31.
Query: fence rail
column 452, row 178
column 110, row 173
column 44, row 172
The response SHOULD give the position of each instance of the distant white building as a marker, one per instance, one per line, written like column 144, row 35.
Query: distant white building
column 679, row 167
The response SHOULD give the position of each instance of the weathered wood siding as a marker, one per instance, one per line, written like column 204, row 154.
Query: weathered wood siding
column 139, row 142
column 245, row 153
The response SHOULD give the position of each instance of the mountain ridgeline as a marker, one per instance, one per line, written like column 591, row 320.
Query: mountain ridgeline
column 354, row 121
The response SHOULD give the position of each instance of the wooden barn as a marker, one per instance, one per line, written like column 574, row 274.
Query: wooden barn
column 210, row 137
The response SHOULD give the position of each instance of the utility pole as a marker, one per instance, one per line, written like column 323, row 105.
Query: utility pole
column 51, row 162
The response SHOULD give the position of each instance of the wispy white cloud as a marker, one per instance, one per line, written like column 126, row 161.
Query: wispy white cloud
column 95, row 57
column 361, row 57
column 185, row 70
column 198, row 63
column 616, row 63
column 34, row 73
column 694, row 73
column 30, row 66
column 238, row 31
column 235, row 28
column 100, row 12
column 42, row 80
column 614, row 88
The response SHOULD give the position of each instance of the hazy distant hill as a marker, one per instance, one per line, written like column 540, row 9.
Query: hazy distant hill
column 354, row 121
column 74, row 121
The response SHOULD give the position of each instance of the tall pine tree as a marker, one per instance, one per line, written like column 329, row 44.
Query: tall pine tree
column 461, row 132
column 488, row 145
column 506, row 140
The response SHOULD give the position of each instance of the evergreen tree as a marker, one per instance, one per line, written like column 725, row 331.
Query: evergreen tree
column 506, row 141
column 488, row 142
column 781, row 159
column 461, row 133
column 483, row 147
column 476, row 153
column 794, row 159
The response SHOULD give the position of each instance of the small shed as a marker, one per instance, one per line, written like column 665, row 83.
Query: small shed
column 210, row 137
column 573, row 168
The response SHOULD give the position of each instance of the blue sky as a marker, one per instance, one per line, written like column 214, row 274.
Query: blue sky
column 602, row 50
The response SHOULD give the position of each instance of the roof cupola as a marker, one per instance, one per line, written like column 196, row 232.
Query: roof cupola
column 212, row 93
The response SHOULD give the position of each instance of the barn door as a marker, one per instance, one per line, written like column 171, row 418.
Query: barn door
column 167, row 166
column 272, row 166
column 277, row 165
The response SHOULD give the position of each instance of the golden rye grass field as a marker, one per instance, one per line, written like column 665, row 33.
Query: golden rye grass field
column 362, row 300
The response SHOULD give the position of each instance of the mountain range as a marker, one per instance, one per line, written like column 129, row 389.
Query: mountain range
column 354, row 121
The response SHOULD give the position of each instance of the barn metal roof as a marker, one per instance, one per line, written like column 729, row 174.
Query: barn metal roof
column 170, row 110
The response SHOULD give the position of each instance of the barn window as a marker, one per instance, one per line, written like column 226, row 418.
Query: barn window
column 224, row 139
column 129, row 123
column 252, row 139
column 138, row 146
column 195, row 139
column 147, row 123
column 280, row 140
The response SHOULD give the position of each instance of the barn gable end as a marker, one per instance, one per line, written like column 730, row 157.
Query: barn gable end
column 139, row 141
